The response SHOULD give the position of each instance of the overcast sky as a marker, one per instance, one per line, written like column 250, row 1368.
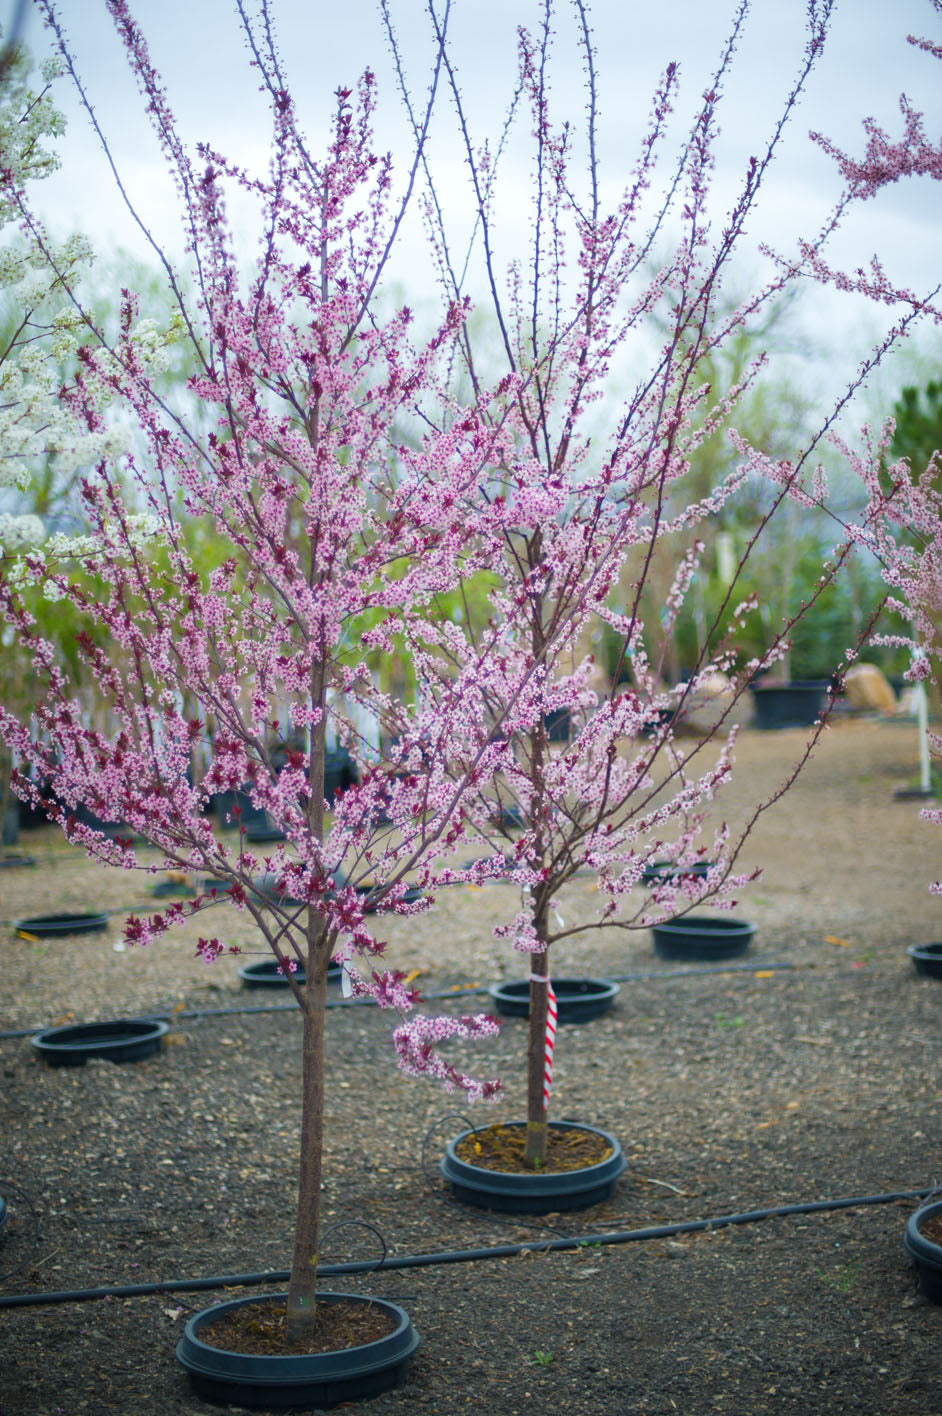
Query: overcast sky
column 198, row 46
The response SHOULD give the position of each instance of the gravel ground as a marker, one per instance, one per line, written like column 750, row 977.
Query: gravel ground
column 810, row 1074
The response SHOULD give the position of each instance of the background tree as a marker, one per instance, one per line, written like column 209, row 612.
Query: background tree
column 40, row 449
column 744, row 382
column 917, row 434
column 915, row 447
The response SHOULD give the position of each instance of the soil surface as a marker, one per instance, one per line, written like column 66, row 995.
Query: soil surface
column 261, row 1328
column 807, row 1071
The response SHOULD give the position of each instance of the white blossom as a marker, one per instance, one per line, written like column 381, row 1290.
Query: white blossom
column 19, row 531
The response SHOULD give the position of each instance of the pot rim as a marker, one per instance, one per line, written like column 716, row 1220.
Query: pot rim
column 55, row 924
column 590, row 988
column 706, row 924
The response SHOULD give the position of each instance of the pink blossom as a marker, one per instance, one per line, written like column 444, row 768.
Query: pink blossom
column 416, row 1041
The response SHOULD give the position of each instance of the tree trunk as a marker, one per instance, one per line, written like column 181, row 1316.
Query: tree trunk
column 302, row 1287
column 534, row 1155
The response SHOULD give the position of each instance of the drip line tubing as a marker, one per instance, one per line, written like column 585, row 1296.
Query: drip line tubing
column 188, row 1014
column 756, row 966
column 462, row 1256
column 438, row 996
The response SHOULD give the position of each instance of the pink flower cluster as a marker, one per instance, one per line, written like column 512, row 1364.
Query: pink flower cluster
column 416, row 1046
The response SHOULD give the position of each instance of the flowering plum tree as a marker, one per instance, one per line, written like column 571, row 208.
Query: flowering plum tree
column 592, row 494
column 330, row 521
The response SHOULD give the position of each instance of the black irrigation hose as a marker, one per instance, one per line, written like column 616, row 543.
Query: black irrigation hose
column 461, row 1256
column 756, row 966
column 246, row 1008
column 249, row 1008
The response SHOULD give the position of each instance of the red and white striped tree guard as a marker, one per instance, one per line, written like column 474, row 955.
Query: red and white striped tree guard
column 551, row 1012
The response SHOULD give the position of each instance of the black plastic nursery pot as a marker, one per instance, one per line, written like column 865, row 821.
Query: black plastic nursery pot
column 163, row 888
column 578, row 1000
column 340, row 772
column 54, row 926
column 115, row 830
column 927, row 959
column 32, row 817
column 558, row 723
column 266, row 887
column 789, row 705
column 537, row 1191
column 226, row 804
column 261, row 831
column 658, row 872
column 3, row 1214
column 412, row 893
column 313, row 1379
column 266, row 973
column 702, row 937
column 656, row 721
column 926, row 1253
column 122, row 1040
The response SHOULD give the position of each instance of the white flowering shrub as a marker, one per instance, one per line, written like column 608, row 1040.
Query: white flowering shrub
column 44, row 445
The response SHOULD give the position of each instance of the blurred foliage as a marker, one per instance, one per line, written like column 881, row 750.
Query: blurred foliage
column 784, row 565
column 918, row 414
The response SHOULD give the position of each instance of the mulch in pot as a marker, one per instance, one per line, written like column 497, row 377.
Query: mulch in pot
column 258, row 1329
column 931, row 1229
column 502, row 1147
